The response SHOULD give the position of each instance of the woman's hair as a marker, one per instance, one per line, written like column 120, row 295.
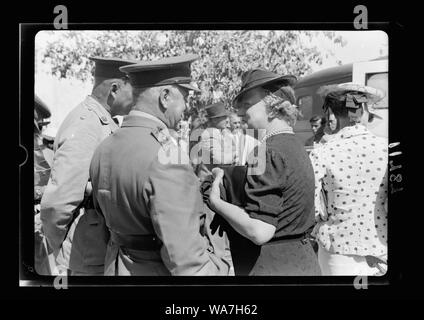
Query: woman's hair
column 317, row 118
column 282, row 91
column 337, row 106
column 280, row 102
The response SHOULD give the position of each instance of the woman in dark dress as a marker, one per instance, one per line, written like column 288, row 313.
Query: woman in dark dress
column 277, row 213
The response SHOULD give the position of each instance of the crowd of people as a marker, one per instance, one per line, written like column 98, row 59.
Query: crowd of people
column 163, row 191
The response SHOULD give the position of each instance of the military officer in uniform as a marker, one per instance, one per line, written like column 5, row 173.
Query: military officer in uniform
column 43, row 157
column 148, row 192
column 48, row 137
column 74, row 230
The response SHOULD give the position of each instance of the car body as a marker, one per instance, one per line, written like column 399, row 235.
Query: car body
column 373, row 73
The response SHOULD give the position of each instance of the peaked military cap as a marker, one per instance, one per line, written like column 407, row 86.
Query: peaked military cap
column 167, row 71
column 49, row 134
column 259, row 77
column 109, row 67
column 41, row 108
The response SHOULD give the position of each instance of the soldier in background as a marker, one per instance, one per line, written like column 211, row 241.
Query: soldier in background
column 48, row 137
column 43, row 157
column 75, row 231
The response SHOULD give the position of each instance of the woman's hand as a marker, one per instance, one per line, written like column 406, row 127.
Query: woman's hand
column 257, row 231
column 215, row 194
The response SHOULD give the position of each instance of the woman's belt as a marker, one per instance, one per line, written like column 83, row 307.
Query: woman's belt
column 303, row 237
column 136, row 242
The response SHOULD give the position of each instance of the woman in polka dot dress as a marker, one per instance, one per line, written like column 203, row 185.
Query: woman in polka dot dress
column 351, row 186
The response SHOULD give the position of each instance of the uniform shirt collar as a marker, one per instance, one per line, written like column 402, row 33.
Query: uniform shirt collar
column 148, row 116
column 94, row 105
column 161, row 126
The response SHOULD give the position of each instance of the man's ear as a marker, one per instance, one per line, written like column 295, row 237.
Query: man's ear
column 114, row 87
column 164, row 98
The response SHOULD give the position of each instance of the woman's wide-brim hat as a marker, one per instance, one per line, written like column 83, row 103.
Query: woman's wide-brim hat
column 259, row 77
column 216, row 110
column 370, row 95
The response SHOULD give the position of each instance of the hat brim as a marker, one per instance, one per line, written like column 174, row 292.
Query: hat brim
column 374, row 113
column 218, row 115
column 43, row 123
column 41, row 108
column 189, row 87
column 373, row 95
column 289, row 79
column 47, row 137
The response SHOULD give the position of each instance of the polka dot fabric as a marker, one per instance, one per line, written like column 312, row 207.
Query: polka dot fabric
column 350, row 192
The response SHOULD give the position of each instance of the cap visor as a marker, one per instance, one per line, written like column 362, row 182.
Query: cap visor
column 189, row 87
column 47, row 137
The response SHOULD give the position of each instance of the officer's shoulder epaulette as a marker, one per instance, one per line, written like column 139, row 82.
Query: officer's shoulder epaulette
column 89, row 109
column 170, row 152
column 161, row 136
column 83, row 113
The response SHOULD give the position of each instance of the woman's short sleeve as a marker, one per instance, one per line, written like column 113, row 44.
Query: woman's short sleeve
column 264, row 192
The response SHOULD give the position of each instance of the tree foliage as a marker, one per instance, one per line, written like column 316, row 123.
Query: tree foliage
column 224, row 55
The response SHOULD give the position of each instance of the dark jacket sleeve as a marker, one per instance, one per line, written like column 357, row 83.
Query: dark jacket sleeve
column 173, row 196
column 264, row 192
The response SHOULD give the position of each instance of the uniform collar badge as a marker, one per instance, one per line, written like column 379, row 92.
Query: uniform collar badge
column 162, row 135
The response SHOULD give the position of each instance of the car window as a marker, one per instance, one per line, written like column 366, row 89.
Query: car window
column 305, row 104
column 379, row 81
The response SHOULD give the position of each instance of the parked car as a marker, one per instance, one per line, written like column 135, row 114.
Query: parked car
column 373, row 73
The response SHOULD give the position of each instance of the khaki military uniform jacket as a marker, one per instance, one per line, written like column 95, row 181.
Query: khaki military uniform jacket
column 43, row 157
column 144, row 191
column 69, row 224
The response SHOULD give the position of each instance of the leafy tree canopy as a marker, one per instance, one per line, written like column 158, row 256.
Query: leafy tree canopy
column 224, row 55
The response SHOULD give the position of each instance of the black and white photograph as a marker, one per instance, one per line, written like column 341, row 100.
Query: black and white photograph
column 211, row 161
column 221, row 153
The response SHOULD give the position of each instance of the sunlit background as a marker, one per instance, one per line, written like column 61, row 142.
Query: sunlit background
column 63, row 94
